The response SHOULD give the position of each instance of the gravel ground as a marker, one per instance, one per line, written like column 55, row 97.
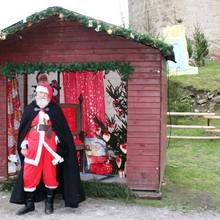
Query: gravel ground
column 95, row 209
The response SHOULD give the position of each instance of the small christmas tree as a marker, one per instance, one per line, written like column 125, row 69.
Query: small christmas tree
column 115, row 131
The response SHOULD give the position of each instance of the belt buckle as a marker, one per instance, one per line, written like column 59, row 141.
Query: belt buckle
column 39, row 127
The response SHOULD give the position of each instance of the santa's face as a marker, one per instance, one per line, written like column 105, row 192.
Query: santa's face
column 42, row 99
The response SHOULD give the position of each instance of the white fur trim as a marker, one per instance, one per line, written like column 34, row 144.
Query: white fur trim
column 57, row 158
column 24, row 144
column 29, row 189
column 50, row 187
column 42, row 89
column 46, row 117
column 35, row 162
column 41, row 117
column 57, row 140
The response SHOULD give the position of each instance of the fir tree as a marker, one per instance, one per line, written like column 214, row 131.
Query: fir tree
column 115, row 130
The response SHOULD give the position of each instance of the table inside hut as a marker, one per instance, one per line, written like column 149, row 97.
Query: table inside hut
column 72, row 113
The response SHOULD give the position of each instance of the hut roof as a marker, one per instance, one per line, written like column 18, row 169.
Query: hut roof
column 165, row 49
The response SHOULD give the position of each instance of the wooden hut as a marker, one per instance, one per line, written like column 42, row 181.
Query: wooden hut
column 56, row 38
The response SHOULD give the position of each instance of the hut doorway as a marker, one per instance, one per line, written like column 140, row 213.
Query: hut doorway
column 105, row 146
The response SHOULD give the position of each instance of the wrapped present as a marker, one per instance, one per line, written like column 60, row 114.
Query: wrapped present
column 99, row 159
column 96, row 160
column 101, row 169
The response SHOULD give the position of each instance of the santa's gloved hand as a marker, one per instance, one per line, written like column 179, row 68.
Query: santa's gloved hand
column 57, row 160
column 24, row 144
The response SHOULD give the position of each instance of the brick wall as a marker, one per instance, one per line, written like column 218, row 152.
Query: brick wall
column 3, row 128
column 146, row 16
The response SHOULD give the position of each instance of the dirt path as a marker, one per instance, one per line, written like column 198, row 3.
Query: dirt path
column 95, row 209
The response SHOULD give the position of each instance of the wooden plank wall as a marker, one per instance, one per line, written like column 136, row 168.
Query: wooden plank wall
column 164, row 100
column 144, row 127
column 3, row 128
column 57, row 41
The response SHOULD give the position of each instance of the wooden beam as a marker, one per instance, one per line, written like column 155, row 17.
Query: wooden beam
column 190, row 114
column 212, row 130
column 195, row 137
column 212, row 117
column 191, row 126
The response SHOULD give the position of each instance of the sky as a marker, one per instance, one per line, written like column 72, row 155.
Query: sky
column 111, row 11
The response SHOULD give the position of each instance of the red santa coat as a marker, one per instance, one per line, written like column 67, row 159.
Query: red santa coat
column 41, row 154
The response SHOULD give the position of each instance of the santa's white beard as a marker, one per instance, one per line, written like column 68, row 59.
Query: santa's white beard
column 41, row 102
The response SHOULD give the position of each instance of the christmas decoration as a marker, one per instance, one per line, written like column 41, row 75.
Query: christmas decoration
column 11, row 69
column 115, row 131
column 61, row 13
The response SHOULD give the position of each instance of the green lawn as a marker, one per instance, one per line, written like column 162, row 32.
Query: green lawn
column 207, row 79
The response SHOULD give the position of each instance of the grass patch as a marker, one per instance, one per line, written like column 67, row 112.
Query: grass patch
column 207, row 79
column 99, row 189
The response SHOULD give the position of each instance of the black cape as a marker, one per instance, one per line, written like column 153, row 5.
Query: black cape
column 68, row 174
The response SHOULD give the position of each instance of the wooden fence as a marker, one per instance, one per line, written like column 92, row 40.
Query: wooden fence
column 208, row 128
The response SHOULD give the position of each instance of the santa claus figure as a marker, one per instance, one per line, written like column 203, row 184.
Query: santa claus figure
column 48, row 156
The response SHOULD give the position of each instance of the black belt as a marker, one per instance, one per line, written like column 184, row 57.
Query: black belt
column 41, row 127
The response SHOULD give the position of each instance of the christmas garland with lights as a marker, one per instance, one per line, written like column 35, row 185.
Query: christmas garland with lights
column 165, row 49
column 11, row 69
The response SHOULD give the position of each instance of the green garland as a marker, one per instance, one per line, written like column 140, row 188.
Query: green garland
column 11, row 69
column 165, row 49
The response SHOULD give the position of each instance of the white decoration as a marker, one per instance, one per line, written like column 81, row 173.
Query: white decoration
column 90, row 23
column 106, row 137
column 2, row 35
column 109, row 31
column 10, row 108
column 61, row 16
column 10, row 141
column 16, row 124
column 98, row 27
column 132, row 35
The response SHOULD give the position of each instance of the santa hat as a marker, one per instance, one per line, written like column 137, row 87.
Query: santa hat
column 44, row 87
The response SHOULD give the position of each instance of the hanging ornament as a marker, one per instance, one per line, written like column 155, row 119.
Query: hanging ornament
column 61, row 16
column 109, row 31
column 106, row 137
column 90, row 23
column 98, row 27
column 2, row 35
column 123, row 148
column 132, row 35
column 118, row 161
column 29, row 24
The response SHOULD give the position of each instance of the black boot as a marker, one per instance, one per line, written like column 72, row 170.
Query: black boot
column 29, row 204
column 49, row 201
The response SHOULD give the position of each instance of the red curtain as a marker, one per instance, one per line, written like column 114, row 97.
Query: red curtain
column 91, row 86
column 14, row 115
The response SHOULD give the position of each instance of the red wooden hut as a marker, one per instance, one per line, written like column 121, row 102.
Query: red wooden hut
column 59, row 38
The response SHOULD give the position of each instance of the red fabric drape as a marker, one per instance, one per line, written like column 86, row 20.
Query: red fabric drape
column 91, row 86
column 14, row 115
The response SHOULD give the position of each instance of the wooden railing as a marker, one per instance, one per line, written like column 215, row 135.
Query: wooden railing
column 207, row 128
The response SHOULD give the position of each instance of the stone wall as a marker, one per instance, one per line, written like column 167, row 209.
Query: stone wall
column 151, row 16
